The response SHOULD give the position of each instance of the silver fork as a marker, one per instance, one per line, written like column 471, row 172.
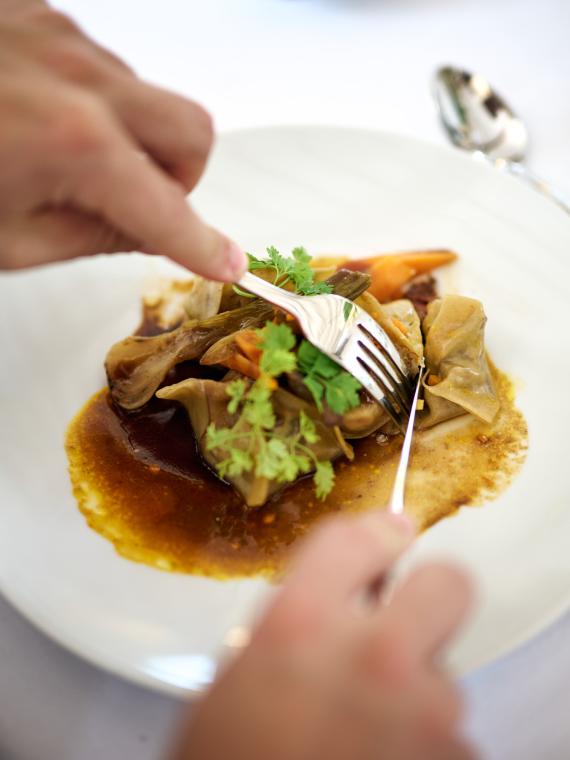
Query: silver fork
column 396, row 503
column 349, row 336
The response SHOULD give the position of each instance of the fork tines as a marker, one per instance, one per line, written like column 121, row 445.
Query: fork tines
column 380, row 360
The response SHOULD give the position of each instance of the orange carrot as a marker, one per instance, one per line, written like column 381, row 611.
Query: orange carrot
column 425, row 261
column 248, row 343
column 243, row 365
column 388, row 277
column 421, row 261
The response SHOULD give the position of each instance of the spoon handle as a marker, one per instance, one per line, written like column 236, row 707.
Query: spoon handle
column 518, row 170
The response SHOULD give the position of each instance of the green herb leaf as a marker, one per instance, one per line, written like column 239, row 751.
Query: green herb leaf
column 253, row 444
column 325, row 377
column 235, row 391
column 341, row 392
column 243, row 293
column 307, row 428
column 255, row 263
column 258, row 410
column 270, row 459
column 276, row 342
column 323, row 479
column 307, row 355
column 317, row 390
column 295, row 269
column 237, row 463
column 217, row 438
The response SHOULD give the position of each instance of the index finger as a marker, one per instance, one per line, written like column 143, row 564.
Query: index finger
column 113, row 179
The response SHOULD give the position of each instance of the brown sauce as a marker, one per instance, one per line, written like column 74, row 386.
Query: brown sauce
column 140, row 482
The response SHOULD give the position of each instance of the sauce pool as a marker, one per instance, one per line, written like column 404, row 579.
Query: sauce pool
column 141, row 483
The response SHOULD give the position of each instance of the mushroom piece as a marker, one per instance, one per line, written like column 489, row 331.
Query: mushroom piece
column 136, row 366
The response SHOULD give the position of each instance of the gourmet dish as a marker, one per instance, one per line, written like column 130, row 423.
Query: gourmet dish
column 224, row 434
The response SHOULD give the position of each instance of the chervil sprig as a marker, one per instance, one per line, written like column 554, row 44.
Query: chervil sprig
column 295, row 269
column 253, row 444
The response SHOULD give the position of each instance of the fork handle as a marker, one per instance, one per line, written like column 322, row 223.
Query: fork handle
column 289, row 302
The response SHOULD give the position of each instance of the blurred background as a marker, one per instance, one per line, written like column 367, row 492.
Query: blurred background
column 349, row 62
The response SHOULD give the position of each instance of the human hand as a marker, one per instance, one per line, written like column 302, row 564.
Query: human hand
column 93, row 159
column 327, row 677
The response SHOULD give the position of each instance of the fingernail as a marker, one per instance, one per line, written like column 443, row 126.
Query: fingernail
column 236, row 259
column 403, row 523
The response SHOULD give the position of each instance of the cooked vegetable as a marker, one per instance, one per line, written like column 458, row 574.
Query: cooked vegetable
column 257, row 443
column 137, row 365
column 390, row 273
column 409, row 341
column 253, row 444
column 459, row 379
column 169, row 303
column 420, row 261
column 238, row 351
column 206, row 402
column 366, row 418
column 285, row 409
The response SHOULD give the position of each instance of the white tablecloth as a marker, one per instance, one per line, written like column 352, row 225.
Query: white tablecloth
column 359, row 62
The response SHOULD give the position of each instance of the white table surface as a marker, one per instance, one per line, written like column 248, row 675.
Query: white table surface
column 354, row 62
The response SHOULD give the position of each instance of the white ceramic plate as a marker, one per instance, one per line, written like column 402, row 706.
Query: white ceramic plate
column 331, row 190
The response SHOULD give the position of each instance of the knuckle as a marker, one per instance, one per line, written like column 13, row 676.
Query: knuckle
column 79, row 127
column 74, row 61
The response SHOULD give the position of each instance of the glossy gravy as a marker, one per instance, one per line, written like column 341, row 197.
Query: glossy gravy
column 141, row 483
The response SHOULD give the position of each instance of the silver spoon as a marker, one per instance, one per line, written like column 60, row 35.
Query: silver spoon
column 478, row 120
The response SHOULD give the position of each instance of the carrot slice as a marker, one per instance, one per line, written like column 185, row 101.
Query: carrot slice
column 425, row 261
column 248, row 343
column 421, row 261
column 243, row 365
column 388, row 277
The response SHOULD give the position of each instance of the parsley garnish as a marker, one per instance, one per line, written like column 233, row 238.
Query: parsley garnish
column 325, row 378
column 295, row 269
column 253, row 444
column 276, row 343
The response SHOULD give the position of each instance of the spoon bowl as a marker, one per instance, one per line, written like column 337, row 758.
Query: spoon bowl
column 476, row 118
